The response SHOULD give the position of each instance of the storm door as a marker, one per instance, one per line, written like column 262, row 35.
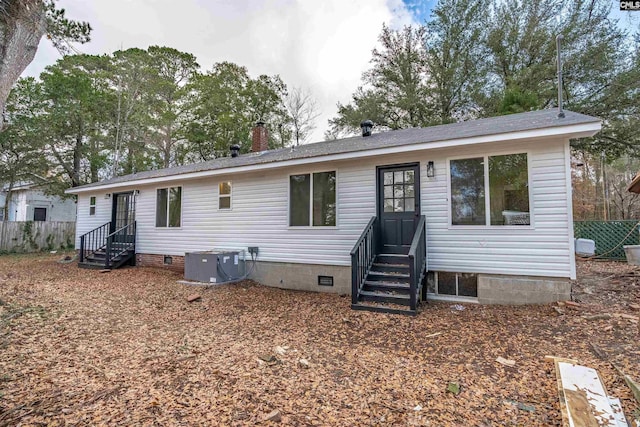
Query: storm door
column 123, row 212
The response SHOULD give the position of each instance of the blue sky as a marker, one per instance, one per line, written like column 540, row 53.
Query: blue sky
column 420, row 10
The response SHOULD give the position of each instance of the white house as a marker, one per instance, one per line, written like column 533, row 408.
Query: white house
column 484, row 206
column 29, row 203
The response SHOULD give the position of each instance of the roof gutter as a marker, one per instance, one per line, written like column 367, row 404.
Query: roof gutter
column 571, row 131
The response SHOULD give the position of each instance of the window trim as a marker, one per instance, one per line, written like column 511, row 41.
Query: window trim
column 155, row 209
column 487, row 196
column 310, row 226
column 94, row 205
column 230, row 196
column 452, row 298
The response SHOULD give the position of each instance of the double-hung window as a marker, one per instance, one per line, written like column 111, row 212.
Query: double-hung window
column 168, row 207
column 224, row 195
column 312, row 199
column 92, row 205
column 490, row 190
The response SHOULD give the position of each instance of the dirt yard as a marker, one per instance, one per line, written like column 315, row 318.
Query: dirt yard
column 78, row 347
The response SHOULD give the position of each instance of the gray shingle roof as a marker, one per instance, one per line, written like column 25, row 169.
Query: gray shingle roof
column 491, row 126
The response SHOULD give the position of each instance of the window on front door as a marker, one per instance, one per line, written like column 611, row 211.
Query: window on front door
column 399, row 191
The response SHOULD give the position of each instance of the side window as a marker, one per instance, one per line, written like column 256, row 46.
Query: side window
column 507, row 192
column 168, row 207
column 92, row 205
column 312, row 199
column 224, row 195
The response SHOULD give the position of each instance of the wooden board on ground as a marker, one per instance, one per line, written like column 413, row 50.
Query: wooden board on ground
column 584, row 400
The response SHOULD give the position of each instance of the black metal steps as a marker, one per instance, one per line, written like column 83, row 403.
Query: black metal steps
column 92, row 265
column 97, row 260
column 386, row 287
column 374, row 285
column 381, row 296
column 102, row 248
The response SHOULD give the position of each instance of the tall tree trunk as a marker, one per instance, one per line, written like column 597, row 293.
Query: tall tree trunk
column 77, row 157
column 7, row 199
column 22, row 25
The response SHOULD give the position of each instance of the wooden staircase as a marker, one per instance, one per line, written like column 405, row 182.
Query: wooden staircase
column 390, row 283
column 106, row 251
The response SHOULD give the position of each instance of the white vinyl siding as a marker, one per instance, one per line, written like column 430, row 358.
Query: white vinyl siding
column 260, row 215
column 86, row 222
column 540, row 250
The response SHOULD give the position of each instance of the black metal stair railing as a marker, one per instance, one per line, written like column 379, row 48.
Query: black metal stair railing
column 417, row 262
column 120, row 244
column 362, row 256
column 93, row 241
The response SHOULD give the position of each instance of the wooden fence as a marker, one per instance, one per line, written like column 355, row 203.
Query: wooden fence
column 34, row 236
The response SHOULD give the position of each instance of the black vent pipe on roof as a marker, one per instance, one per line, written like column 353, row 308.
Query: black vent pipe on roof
column 235, row 150
column 366, row 127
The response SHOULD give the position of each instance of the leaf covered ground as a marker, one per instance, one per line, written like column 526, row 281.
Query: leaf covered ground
column 80, row 347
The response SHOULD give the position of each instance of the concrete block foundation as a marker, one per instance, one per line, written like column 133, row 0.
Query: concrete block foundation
column 492, row 288
column 302, row 277
column 515, row 290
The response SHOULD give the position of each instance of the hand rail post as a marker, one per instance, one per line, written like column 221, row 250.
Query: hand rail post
column 412, row 282
column 354, row 279
column 107, row 260
column 82, row 248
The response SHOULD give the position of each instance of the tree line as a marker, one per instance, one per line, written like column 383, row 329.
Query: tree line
column 490, row 57
column 88, row 118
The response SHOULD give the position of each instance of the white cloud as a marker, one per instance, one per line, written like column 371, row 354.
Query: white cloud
column 321, row 45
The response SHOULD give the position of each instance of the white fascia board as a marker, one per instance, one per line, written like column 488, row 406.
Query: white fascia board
column 572, row 131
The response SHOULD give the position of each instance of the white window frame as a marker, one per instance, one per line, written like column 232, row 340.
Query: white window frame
column 230, row 196
column 155, row 210
column 94, row 205
column 447, row 297
column 310, row 226
column 487, row 195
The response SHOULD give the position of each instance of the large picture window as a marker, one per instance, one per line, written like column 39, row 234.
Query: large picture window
column 168, row 207
column 312, row 199
column 490, row 190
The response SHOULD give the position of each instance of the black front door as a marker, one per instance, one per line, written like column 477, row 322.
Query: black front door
column 398, row 206
column 123, row 211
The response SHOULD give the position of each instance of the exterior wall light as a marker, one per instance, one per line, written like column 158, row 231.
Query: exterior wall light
column 431, row 170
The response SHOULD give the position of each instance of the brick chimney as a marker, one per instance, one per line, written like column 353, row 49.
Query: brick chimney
column 259, row 138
